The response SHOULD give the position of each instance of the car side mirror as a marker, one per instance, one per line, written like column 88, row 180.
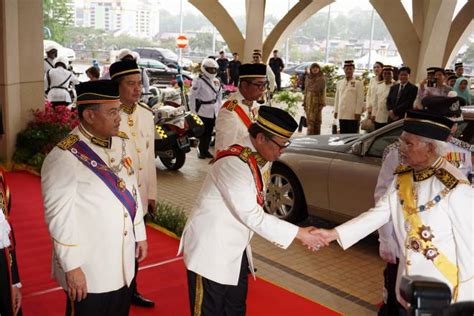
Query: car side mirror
column 356, row 149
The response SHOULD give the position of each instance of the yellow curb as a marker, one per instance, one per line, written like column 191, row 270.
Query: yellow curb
column 301, row 295
column 24, row 167
column 163, row 230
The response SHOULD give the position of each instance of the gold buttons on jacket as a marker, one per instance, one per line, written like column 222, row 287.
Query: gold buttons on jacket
column 125, row 215
column 125, row 233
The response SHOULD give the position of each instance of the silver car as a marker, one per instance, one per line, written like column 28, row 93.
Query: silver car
column 334, row 176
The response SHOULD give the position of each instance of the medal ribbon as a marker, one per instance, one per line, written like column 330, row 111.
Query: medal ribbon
column 92, row 161
column 406, row 191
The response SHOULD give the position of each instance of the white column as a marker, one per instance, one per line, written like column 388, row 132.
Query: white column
column 254, row 27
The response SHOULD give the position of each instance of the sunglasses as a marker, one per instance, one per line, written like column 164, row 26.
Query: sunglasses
column 284, row 146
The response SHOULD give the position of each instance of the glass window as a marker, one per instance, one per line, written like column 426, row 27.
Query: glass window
column 378, row 146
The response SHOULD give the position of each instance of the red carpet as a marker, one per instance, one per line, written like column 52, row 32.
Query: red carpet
column 162, row 277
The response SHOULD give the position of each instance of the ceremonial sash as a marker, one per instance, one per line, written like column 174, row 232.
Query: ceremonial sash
column 420, row 235
column 234, row 106
column 245, row 154
column 92, row 161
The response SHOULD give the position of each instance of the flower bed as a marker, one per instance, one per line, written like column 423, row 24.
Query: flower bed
column 40, row 136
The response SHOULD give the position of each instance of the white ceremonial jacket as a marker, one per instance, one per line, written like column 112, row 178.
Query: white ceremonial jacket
column 60, row 80
column 451, row 222
column 391, row 161
column 349, row 99
column 89, row 226
column 380, row 110
column 48, row 64
column 370, row 100
column 229, row 126
column 140, row 128
column 224, row 219
column 206, row 90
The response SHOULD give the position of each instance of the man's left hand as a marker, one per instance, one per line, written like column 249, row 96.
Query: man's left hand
column 16, row 293
column 141, row 250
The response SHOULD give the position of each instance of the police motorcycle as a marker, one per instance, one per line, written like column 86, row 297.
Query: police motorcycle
column 174, row 127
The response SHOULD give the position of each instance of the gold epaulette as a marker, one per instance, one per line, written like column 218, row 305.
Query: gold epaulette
column 122, row 135
column 449, row 180
column 403, row 169
column 245, row 154
column 68, row 141
column 145, row 106
column 230, row 105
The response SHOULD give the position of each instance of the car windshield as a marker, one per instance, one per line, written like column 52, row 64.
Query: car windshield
column 151, row 63
column 169, row 54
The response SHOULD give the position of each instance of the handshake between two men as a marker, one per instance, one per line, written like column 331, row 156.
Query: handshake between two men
column 315, row 238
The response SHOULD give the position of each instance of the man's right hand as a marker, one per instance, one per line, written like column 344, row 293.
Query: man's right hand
column 76, row 284
column 309, row 239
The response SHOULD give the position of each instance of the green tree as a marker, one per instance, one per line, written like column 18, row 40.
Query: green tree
column 57, row 17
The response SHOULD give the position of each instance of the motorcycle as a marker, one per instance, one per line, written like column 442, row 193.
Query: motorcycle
column 174, row 126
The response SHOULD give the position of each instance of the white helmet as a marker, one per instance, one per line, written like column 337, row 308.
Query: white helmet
column 61, row 60
column 124, row 53
column 206, row 65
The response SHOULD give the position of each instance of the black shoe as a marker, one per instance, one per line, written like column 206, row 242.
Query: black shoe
column 139, row 300
column 201, row 156
column 209, row 155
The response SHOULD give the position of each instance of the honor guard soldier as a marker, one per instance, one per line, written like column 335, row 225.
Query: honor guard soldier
column 205, row 100
column 51, row 54
column 429, row 204
column 137, row 121
column 93, row 208
column 216, row 238
column 349, row 100
column 10, row 294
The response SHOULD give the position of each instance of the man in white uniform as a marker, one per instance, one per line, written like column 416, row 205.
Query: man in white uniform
column 138, row 122
column 349, row 100
column 458, row 154
column 380, row 110
column 217, row 235
column 240, row 110
column 205, row 100
column 51, row 54
column 429, row 203
column 92, row 207
column 59, row 82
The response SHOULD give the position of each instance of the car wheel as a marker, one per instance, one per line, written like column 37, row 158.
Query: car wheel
column 176, row 162
column 284, row 196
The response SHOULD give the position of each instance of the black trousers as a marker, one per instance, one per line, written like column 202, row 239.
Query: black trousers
column 209, row 298
column 348, row 126
column 115, row 303
column 391, row 307
column 133, row 285
column 223, row 76
column 234, row 80
column 205, row 139
column 6, row 308
column 278, row 80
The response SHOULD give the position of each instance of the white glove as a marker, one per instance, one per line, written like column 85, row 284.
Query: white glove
column 388, row 250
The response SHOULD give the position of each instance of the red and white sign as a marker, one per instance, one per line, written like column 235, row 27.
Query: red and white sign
column 182, row 41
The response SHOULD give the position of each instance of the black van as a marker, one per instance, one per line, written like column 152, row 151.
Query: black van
column 164, row 55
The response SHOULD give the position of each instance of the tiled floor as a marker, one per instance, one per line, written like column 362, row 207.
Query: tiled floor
column 347, row 281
